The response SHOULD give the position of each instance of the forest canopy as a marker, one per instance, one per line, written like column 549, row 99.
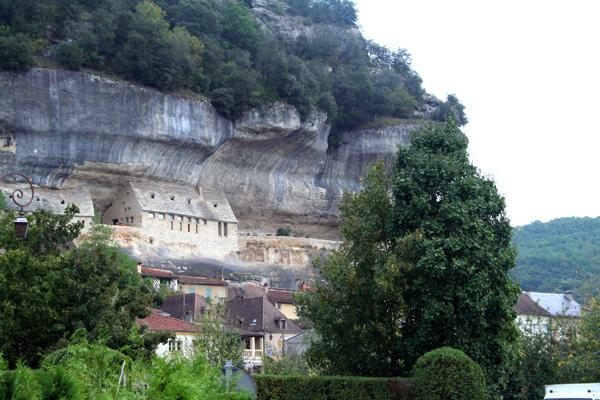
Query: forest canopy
column 559, row 255
column 217, row 49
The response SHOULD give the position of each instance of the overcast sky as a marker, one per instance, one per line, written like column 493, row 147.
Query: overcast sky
column 528, row 72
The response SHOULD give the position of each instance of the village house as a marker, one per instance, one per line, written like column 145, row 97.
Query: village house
column 54, row 201
column 210, row 288
column 543, row 313
column 263, row 328
column 185, row 332
column 190, row 307
column 176, row 214
column 283, row 300
column 532, row 319
column 159, row 277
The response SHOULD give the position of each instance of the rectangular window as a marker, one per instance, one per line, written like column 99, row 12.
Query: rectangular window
column 197, row 221
column 220, row 230
column 196, row 228
column 132, row 222
column 161, row 216
column 171, row 217
column 175, row 345
column 208, row 293
column 127, row 219
column 180, row 226
column 191, row 290
column 179, row 218
column 204, row 221
column 171, row 225
column 189, row 227
column 151, row 215
column 190, row 220
column 225, row 233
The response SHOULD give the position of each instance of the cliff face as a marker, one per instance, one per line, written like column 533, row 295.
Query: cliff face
column 67, row 129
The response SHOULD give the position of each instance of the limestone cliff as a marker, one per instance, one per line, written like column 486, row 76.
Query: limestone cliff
column 68, row 129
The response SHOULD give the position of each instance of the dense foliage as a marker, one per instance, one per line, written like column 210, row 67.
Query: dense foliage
column 215, row 48
column 332, row 388
column 448, row 374
column 424, row 264
column 92, row 372
column 217, row 341
column 566, row 354
column 559, row 255
column 49, row 293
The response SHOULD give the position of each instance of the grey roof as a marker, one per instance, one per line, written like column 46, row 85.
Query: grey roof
column 52, row 200
column 183, row 304
column 557, row 304
column 184, row 200
column 258, row 315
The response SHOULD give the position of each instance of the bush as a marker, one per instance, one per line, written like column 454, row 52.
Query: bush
column 16, row 52
column 332, row 388
column 448, row 374
column 288, row 365
column 283, row 232
column 70, row 56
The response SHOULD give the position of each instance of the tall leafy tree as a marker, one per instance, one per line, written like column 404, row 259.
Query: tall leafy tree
column 358, row 313
column 50, row 290
column 424, row 264
column 458, row 290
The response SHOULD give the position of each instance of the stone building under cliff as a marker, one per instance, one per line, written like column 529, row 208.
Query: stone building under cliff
column 52, row 200
column 176, row 214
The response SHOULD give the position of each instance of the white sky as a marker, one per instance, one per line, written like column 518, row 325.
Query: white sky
column 528, row 72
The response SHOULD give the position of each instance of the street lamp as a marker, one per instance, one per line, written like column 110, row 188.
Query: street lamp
column 20, row 222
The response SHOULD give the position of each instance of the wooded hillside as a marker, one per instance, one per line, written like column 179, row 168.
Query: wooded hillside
column 560, row 255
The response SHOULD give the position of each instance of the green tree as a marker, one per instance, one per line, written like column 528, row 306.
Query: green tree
column 359, row 312
column 216, row 340
column 70, row 55
column 458, row 291
column 239, row 28
column 47, row 292
column 16, row 52
column 424, row 264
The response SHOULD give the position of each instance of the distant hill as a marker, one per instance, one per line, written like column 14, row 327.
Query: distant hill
column 560, row 255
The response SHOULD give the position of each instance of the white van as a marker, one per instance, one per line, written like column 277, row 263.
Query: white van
column 576, row 391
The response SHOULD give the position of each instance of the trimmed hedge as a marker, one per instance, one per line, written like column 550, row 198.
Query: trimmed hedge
column 277, row 387
column 448, row 374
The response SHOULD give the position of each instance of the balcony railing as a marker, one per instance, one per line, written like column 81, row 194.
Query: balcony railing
column 249, row 354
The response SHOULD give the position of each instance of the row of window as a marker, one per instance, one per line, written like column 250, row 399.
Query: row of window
column 173, row 217
column 223, row 227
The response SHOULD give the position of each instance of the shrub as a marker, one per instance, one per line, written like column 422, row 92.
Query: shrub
column 448, row 374
column 289, row 365
column 283, row 232
column 70, row 56
column 332, row 388
column 16, row 52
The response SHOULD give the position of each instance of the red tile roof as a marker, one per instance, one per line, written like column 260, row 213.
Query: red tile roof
column 201, row 280
column 281, row 296
column 156, row 321
column 157, row 273
column 526, row 306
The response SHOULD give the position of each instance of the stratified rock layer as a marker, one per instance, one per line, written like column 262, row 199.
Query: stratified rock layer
column 73, row 128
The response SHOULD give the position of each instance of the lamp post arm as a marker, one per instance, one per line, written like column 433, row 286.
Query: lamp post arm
column 18, row 194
